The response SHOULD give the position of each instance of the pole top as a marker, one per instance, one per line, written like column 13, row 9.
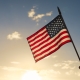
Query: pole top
column 59, row 10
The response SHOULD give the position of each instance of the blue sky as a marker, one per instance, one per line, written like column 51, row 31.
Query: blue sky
column 21, row 18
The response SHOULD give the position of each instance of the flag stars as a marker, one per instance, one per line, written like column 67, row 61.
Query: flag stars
column 52, row 23
column 57, row 21
column 55, row 26
column 58, row 25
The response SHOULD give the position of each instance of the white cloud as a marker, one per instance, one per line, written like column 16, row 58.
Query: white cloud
column 34, row 6
column 12, row 68
column 49, row 13
column 15, row 62
column 37, row 24
column 45, row 21
column 14, row 35
column 57, row 65
column 77, row 73
column 31, row 13
column 70, row 62
column 37, row 17
column 69, row 72
column 66, row 65
column 50, row 71
column 54, row 56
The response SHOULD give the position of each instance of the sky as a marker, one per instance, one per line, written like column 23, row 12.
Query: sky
column 20, row 19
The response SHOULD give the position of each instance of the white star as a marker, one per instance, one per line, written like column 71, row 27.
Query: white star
column 61, row 21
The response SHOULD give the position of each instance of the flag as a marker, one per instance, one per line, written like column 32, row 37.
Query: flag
column 49, row 38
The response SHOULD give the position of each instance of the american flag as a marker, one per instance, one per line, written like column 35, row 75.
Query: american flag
column 49, row 38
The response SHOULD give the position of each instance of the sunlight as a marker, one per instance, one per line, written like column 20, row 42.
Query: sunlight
column 31, row 75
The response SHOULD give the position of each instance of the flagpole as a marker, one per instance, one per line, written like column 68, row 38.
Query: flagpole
column 69, row 35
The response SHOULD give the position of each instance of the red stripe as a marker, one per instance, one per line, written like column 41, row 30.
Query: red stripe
column 36, row 33
column 47, row 40
column 52, row 51
column 49, row 47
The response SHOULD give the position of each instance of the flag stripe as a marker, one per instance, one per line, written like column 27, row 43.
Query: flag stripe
column 46, row 46
column 49, row 40
column 36, row 33
column 51, row 48
column 45, row 55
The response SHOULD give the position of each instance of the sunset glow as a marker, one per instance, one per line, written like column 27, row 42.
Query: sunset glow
column 31, row 75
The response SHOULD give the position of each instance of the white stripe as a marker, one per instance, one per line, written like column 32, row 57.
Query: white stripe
column 37, row 34
column 49, row 41
column 51, row 49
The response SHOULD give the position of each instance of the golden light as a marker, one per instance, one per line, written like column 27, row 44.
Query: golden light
column 31, row 75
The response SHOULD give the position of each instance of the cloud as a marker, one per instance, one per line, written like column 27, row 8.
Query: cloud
column 45, row 21
column 15, row 62
column 14, row 35
column 12, row 68
column 66, row 64
column 37, row 24
column 31, row 13
column 54, row 56
column 77, row 73
column 36, row 17
column 49, row 13
column 57, row 65
column 69, row 72
column 50, row 71
column 70, row 62
column 34, row 6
